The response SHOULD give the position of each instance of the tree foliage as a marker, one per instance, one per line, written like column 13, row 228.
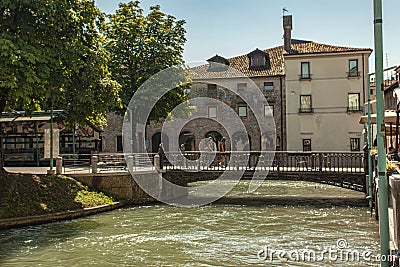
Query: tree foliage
column 52, row 54
column 141, row 46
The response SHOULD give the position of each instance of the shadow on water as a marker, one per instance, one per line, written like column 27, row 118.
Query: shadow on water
column 20, row 241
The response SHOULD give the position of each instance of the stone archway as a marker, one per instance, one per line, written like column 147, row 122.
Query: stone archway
column 188, row 141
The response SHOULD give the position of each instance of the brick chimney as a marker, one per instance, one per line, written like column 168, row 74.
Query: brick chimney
column 287, row 36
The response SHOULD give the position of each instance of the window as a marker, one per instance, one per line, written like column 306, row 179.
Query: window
column 212, row 90
column 305, row 104
column 257, row 60
column 241, row 87
column 268, row 86
column 18, row 142
column 353, row 102
column 268, row 111
column 354, row 144
column 305, row 70
column 242, row 110
column 212, row 112
column 306, row 144
column 119, row 143
column 353, row 68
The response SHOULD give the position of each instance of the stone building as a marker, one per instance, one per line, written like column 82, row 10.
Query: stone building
column 289, row 76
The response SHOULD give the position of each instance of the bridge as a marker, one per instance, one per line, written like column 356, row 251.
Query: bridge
column 342, row 169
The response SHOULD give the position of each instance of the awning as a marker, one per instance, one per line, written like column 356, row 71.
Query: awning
column 25, row 119
column 390, row 117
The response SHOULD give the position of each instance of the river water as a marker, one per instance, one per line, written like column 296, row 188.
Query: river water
column 214, row 235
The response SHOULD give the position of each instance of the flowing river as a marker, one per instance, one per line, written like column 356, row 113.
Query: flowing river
column 214, row 235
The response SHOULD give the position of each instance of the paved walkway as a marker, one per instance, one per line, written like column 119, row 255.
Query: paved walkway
column 66, row 170
column 70, row 170
column 43, row 170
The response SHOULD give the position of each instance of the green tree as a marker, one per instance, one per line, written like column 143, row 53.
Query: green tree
column 52, row 54
column 141, row 46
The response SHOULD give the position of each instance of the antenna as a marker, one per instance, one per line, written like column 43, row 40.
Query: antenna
column 387, row 60
column 284, row 10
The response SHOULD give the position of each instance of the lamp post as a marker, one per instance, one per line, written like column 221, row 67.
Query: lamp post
column 51, row 171
column 383, row 183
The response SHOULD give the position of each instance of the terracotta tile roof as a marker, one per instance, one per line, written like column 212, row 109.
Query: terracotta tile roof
column 275, row 65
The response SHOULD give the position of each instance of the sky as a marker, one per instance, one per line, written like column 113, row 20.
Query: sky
column 235, row 27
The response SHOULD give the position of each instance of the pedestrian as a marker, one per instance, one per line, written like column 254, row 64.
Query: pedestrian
column 222, row 149
column 209, row 149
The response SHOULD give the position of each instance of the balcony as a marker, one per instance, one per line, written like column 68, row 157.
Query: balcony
column 305, row 77
column 353, row 74
column 306, row 110
column 354, row 109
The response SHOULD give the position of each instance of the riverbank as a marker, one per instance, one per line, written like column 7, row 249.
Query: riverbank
column 25, row 195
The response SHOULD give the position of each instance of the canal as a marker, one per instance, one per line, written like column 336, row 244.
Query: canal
column 214, row 235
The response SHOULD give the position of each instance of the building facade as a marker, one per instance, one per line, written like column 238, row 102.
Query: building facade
column 315, row 93
column 326, row 88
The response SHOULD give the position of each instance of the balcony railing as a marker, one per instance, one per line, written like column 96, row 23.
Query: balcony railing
column 353, row 74
column 306, row 110
column 354, row 109
column 305, row 76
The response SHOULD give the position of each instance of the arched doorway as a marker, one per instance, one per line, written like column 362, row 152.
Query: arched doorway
column 239, row 142
column 156, row 141
column 187, row 140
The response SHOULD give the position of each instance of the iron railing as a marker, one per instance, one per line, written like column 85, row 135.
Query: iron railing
column 340, row 162
column 336, row 162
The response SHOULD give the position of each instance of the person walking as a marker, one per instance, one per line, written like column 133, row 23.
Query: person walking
column 222, row 149
column 209, row 151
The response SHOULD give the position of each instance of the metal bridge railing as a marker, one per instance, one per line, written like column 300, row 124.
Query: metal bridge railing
column 340, row 162
column 280, row 161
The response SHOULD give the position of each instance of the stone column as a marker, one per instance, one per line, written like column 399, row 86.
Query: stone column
column 59, row 165
column 157, row 163
column 95, row 160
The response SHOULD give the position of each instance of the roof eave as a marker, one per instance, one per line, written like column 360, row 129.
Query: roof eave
column 369, row 51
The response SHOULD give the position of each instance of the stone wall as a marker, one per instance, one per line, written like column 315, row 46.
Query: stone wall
column 200, row 127
column 124, row 187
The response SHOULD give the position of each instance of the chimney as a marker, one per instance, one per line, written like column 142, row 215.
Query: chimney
column 287, row 36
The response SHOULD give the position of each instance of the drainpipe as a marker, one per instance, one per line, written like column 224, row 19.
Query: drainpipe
column 383, row 183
